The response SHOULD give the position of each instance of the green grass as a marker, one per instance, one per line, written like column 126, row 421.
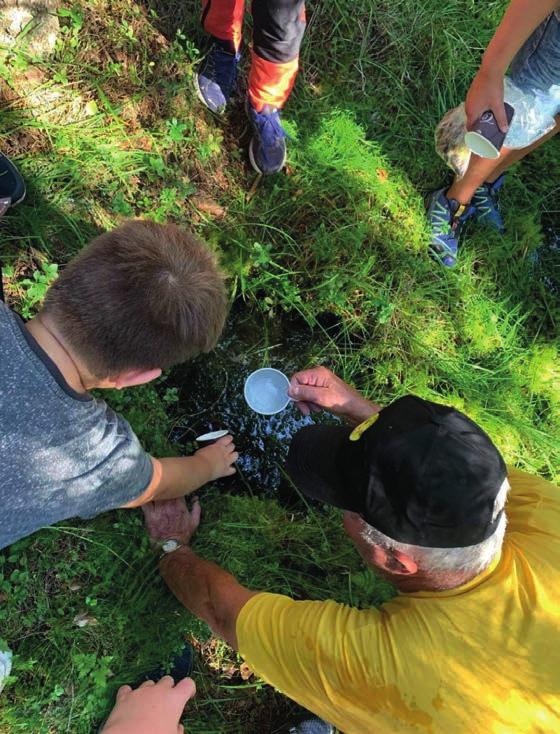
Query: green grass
column 340, row 240
column 67, row 676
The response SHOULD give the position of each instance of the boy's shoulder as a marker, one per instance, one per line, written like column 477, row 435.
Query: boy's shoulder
column 26, row 368
column 63, row 454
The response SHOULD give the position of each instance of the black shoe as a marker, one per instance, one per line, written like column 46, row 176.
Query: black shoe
column 12, row 185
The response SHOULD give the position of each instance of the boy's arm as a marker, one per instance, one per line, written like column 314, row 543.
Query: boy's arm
column 181, row 475
column 487, row 89
column 152, row 707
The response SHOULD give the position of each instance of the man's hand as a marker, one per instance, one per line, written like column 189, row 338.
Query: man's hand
column 486, row 93
column 319, row 388
column 153, row 708
column 219, row 458
column 171, row 519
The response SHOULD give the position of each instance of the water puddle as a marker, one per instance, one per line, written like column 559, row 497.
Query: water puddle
column 211, row 395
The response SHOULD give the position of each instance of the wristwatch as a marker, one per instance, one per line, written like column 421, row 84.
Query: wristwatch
column 168, row 546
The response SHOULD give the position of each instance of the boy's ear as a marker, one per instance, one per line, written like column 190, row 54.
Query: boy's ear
column 134, row 377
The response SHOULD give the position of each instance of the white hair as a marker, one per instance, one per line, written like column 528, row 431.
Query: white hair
column 470, row 560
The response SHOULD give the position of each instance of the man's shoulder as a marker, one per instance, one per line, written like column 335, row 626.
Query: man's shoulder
column 533, row 502
column 520, row 480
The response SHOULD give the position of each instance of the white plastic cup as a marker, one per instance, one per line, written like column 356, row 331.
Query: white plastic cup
column 486, row 138
column 266, row 391
column 207, row 439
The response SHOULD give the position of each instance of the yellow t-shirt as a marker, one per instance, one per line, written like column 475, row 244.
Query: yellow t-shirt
column 480, row 659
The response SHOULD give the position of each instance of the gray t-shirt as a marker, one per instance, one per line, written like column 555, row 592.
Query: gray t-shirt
column 62, row 454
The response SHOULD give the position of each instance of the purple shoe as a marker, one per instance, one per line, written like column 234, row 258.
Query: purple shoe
column 267, row 149
column 485, row 202
column 216, row 80
column 447, row 218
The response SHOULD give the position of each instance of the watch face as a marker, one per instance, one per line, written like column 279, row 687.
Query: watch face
column 169, row 545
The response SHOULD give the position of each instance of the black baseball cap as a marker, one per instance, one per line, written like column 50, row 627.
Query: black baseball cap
column 421, row 473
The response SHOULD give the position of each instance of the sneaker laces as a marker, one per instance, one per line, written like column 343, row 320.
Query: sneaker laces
column 270, row 128
column 440, row 220
column 489, row 191
column 484, row 194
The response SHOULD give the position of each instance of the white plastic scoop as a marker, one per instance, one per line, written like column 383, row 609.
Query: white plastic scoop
column 212, row 437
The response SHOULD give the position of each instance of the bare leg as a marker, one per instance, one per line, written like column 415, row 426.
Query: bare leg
column 484, row 169
column 517, row 155
column 479, row 171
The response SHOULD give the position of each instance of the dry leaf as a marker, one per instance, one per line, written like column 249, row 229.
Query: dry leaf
column 84, row 620
column 204, row 204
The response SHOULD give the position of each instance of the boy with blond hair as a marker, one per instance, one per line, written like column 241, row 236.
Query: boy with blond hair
column 134, row 302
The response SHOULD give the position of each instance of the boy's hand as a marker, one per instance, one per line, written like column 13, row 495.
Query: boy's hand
column 486, row 93
column 319, row 388
column 153, row 707
column 219, row 458
column 177, row 476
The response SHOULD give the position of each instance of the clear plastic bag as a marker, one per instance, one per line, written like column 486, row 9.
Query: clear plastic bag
column 534, row 115
column 5, row 667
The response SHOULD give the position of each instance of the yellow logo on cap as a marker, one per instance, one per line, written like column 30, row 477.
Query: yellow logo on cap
column 357, row 432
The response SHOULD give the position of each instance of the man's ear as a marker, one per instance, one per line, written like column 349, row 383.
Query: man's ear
column 393, row 561
column 134, row 377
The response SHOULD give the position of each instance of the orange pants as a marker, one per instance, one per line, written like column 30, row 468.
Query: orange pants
column 278, row 27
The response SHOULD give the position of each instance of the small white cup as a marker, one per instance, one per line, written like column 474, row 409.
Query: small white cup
column 480, row 145
column 266, row 391
column 207, row 439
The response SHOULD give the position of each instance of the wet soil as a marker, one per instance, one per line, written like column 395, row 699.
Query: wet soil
column 210, row 391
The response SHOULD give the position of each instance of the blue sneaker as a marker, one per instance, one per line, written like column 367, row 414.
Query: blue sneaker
column 447, row 218
column 312, row 725
column 267, row 149
column 216, row 81
column 485, row 202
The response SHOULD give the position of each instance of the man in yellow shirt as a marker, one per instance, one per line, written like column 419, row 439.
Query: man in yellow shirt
column 470, row 644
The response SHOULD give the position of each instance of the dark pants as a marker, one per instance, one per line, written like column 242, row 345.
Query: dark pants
column 278, row 28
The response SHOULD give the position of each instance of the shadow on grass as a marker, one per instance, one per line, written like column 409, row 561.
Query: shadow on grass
column 36, row 230
column 102, row 568
column 341, row 235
